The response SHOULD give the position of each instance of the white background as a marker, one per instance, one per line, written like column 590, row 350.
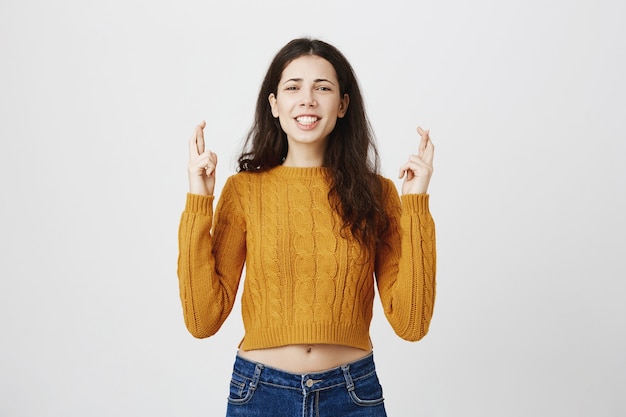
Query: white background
column 526, row 105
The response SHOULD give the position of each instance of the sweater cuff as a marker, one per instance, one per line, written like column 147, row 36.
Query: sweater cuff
column 201, row 204
column 415, row 203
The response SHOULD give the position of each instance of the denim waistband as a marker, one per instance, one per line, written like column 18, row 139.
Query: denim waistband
column 313, row 381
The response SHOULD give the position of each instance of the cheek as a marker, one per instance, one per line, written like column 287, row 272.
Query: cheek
column 281, row 108
column 283, row 120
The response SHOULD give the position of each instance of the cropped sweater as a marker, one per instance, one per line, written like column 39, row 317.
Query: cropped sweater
column 307, row 281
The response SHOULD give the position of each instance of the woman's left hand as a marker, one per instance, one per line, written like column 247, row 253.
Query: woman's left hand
column 418, row 170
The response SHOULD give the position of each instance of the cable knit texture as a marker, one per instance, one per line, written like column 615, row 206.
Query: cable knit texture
column 307, row 281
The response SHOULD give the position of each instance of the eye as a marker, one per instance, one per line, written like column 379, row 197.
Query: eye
column 291, row 88
column 324, row 88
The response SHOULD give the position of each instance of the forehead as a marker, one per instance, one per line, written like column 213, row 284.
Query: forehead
column 309, row 67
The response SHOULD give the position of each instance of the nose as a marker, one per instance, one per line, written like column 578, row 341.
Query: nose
column 308, row 98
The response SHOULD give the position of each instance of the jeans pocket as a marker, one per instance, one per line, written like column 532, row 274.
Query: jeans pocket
column 367, row 391
column 240, row 390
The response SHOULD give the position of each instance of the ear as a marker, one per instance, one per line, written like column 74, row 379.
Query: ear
column 343, row 105
column 272, row 100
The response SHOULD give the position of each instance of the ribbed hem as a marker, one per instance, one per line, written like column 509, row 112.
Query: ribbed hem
column 201, row 204
column 307, row 333
column 415, row 203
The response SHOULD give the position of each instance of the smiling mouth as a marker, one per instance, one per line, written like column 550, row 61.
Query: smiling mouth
column 307, row 120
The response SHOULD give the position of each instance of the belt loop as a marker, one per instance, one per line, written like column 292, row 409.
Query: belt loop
column 348, row 377
column 256, row 376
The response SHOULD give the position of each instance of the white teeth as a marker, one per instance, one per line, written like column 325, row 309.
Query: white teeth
column 306, row 120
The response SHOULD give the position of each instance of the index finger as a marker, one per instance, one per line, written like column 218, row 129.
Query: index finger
column 424, row 141
column 427, row 149
column 196, row 142
column 200, row 136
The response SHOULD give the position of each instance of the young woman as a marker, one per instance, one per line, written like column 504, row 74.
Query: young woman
column 316, row 227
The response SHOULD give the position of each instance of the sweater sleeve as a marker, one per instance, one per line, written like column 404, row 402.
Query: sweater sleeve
column 406, row 264
column 210, row 262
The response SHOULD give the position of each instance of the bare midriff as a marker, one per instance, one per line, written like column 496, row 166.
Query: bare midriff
column 305, row 358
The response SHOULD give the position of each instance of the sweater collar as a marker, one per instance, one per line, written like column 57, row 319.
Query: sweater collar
column 296, row 172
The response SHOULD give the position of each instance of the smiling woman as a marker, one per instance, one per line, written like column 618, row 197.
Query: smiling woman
column 317, row 228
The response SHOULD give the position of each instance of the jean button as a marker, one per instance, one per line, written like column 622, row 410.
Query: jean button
column 309, row 383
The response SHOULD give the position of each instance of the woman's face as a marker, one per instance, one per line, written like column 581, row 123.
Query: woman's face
column 308, row 101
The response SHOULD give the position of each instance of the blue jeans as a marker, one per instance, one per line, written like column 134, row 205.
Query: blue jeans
column 350, row 390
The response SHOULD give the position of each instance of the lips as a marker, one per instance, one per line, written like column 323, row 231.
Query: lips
column 307, row 120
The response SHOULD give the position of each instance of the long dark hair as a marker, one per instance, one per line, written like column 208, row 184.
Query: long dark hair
column 351, row 154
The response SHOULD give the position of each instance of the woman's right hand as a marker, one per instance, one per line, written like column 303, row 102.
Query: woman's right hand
column 201, row 165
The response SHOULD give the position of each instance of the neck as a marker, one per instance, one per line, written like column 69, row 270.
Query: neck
column 299, row 156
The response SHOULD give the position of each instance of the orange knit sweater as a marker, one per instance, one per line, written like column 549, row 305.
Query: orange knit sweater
column 306, row 282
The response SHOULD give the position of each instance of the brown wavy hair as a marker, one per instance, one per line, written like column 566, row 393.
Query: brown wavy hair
column 351, row 154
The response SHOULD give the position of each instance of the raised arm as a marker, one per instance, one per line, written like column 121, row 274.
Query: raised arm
column 406, row 257
column 211, row 251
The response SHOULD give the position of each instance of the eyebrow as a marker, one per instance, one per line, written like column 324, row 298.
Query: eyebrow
column 317, row 80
